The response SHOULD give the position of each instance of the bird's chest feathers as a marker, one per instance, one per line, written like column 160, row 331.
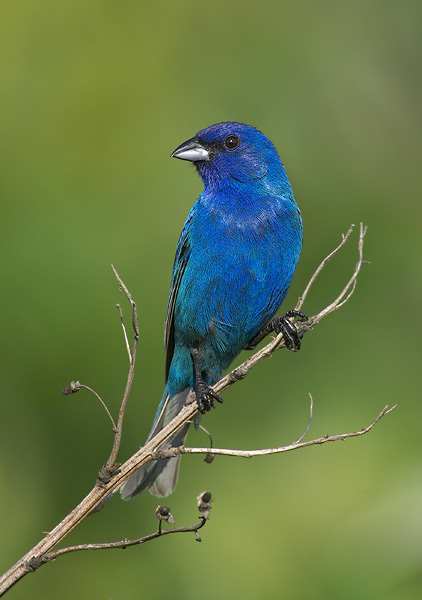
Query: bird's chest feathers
column 249, row 221
column 242, row 258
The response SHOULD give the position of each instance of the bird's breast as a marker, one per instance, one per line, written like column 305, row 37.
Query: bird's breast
column 237, row 275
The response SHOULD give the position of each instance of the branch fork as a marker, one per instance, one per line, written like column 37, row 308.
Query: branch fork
column 162, row 514
column 297, row 445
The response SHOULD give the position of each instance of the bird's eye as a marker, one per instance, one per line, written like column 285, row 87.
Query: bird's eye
column 231, row 142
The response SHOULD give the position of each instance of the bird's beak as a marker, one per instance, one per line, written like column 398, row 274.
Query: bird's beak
column 191, row 150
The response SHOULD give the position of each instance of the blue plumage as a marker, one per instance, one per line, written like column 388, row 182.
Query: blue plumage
column 234, row 263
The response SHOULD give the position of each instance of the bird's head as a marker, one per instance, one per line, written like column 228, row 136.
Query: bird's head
column 232, row 151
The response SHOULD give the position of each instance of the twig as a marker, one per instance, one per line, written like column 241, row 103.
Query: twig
column 122, row 322
column 322, row 264
column 310, row 419
column 101, row 401
column 208, row 458
column 205, row 431
column 111, row 464
column 125, row 290
column 162, row 513
column 123, row 544
column 325, row 439
column 76, row 386
column 350, row 286
column 148, row 452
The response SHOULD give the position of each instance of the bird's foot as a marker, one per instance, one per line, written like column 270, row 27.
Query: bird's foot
column 206, row 397
column 289, row 329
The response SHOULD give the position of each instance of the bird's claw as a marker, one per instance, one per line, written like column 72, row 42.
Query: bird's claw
column 289, row 328
column 206, row 397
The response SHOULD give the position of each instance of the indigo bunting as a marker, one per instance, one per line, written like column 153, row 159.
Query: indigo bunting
column 234, row 263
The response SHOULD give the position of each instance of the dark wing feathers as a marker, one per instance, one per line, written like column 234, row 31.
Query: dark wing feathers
column 180, row 262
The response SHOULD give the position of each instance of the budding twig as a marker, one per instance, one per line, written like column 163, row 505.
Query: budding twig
column 163, row 515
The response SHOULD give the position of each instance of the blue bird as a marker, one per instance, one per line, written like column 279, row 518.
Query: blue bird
column 234, row 263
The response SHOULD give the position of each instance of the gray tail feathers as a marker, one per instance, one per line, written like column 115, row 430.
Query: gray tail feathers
column 160, row 477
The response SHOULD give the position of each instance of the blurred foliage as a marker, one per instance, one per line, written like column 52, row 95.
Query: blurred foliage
column 94, row 95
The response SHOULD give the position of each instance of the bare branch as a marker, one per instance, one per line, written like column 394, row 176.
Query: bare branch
column 348, row 296
column 322, row 264
column 127, row 543
column 111, row 464
column 125, row 290
column 325, row 439
column 122, row 322
column 310, row 419
column 349, row 288
column 146, row 454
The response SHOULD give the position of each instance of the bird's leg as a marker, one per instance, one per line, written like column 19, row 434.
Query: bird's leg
column 205, row 395
column 283, row 325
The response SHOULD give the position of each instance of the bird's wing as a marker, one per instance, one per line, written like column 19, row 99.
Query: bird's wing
column 180, row 261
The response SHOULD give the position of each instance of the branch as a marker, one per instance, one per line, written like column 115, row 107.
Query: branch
column 117, row 476
column 163, row 515
column 125, row 543
column 324, row 439
column 111, row 465
column 125, row 337
column 322, row 264
column 350, row 286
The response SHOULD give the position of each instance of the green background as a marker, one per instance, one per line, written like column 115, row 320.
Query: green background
column 93, row 97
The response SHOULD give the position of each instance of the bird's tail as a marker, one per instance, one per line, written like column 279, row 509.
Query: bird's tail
column 160, row 477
